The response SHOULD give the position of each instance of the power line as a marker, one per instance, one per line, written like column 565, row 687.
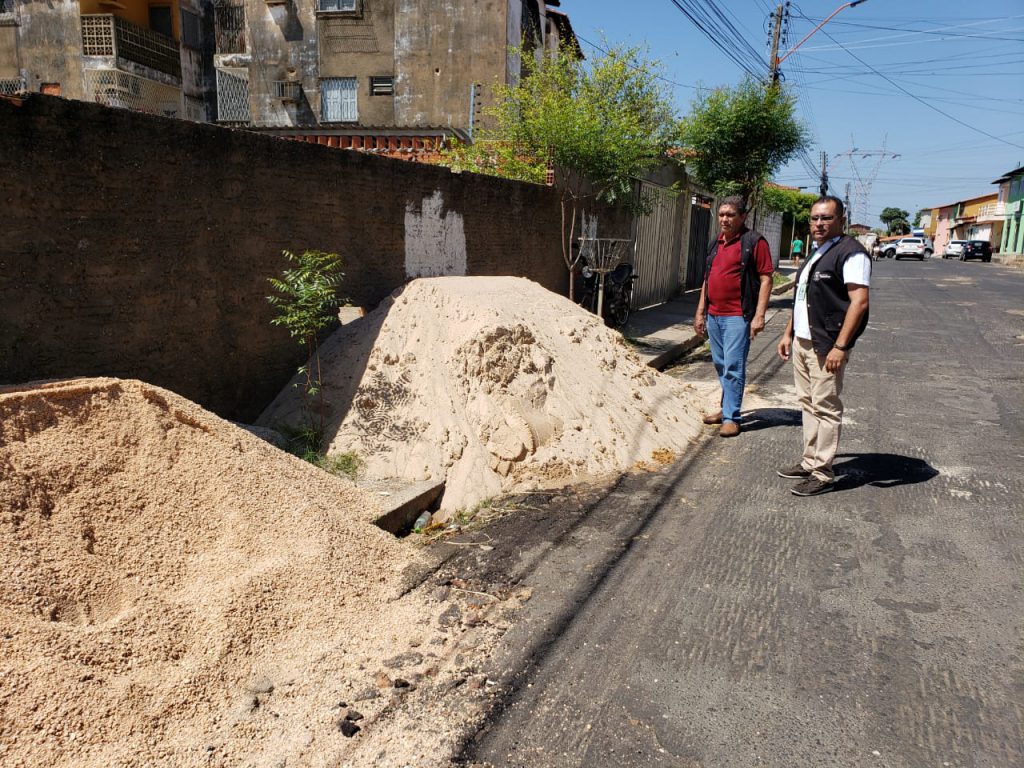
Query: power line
column 722, row 34
column 917, row 98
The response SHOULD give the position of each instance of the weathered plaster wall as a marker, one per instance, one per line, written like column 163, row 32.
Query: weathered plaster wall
column 283, row 45
column 9, row 66
column 441, row 49
column 361, row 47
column 50, row 45
column 435, row 51
column 141, row 246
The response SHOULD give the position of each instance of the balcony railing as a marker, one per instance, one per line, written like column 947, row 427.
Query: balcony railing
column 114, row 88
column 992, row 211
column 106, row 35
column 11, row 85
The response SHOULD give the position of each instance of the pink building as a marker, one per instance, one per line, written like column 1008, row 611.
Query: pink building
column 943, row 218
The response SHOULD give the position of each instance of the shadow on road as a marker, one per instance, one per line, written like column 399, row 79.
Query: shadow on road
column 763, row 418
column 881, row 470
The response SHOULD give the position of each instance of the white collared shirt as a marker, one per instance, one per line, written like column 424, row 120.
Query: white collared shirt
column 856, row 271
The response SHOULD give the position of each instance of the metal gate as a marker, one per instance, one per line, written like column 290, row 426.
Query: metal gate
column 700, row 240
column 658, row 242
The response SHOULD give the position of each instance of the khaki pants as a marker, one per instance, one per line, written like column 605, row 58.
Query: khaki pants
column 818, row 392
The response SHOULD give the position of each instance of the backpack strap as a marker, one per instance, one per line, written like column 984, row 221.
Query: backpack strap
column 748, row 242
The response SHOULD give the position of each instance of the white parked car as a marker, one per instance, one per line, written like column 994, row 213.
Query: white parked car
column 914, row 247
column 953, row 249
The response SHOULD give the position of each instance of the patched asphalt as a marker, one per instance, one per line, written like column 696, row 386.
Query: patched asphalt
column 704, row 616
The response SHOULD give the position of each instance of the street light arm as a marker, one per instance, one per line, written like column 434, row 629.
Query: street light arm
column 854, row 4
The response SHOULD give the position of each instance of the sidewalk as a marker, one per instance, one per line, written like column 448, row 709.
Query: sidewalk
column 664, row 333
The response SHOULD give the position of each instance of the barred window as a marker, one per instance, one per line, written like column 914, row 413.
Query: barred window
column 191, row 30
column 338, row 101
column 381, row 85
column 233, row 96
column 7, row 11
column 230, row 22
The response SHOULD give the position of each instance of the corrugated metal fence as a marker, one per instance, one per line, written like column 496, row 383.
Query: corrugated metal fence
column 658, row 246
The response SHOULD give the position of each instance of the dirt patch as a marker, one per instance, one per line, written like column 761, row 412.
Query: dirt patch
column 495, row 385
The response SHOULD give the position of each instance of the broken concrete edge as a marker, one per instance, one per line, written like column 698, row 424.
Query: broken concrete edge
column 783, row 288
column 405, row 503
column 663, row 359
column 668, row 356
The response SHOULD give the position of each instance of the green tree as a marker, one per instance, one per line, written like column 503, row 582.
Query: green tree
column 792, row 201
column 896, row 220
column 598, row 123
column 918, row 215
column 735, row 138
column 307, row 303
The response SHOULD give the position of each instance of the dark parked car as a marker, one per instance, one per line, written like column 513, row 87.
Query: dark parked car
column 976, row 249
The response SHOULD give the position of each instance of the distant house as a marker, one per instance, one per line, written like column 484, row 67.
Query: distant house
column 976, row 219
column 1010, row 204
column 859, row 229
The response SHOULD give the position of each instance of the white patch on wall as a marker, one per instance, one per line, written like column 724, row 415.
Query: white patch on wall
column 435, row 241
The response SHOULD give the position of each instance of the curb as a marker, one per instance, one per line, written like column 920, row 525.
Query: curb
column 663, row 359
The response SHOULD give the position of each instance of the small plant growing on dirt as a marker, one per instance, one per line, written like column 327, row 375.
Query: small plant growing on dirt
column 345, row 464
column 306, row 303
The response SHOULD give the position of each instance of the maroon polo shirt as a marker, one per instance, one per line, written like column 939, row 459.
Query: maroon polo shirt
column 724, row 280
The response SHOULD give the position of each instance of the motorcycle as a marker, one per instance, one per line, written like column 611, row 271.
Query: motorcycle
column 618, row 293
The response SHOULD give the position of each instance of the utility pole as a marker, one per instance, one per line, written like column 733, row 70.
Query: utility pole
column 824, row 175
column 846, row 204
column 773, row 60
column 776, row 61
column 863, row 181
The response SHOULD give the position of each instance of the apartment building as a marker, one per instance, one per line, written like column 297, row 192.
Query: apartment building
column 369, row 74
column 132, row 54
column 373, row 74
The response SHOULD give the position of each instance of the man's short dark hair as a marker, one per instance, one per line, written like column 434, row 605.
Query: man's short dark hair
column 737, row 202
column 840, row 208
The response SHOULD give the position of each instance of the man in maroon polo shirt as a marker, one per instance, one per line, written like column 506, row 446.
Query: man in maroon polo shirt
column 732, row 305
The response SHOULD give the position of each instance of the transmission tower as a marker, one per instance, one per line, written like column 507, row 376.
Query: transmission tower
column 870, row 162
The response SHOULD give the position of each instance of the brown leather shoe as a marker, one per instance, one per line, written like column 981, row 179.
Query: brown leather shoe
column 729, row 429
column 713, row 418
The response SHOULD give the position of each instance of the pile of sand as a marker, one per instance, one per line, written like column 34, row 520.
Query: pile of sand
column 495, row 385
column 175, row 591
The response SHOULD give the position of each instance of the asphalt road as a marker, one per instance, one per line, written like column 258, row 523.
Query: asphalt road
column 705, row 616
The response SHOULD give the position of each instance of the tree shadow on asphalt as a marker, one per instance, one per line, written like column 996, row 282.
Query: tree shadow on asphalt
column 880, row 470
column 764, row 418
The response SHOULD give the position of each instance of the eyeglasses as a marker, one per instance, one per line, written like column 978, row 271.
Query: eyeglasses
column 822, row 218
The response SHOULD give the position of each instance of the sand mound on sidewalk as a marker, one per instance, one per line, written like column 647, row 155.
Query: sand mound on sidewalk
column 174, row 591
column 494, row 384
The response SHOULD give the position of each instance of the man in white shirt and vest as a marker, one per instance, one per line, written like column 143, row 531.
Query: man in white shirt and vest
column 830, row 312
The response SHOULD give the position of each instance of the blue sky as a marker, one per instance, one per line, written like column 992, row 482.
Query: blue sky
column 873, row 78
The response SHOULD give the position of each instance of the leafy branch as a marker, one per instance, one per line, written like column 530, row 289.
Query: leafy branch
column 306, row 303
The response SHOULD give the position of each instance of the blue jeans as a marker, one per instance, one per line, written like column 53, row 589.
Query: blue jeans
column 730, row 343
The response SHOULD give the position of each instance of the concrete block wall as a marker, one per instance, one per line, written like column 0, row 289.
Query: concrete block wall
column 140, row 246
